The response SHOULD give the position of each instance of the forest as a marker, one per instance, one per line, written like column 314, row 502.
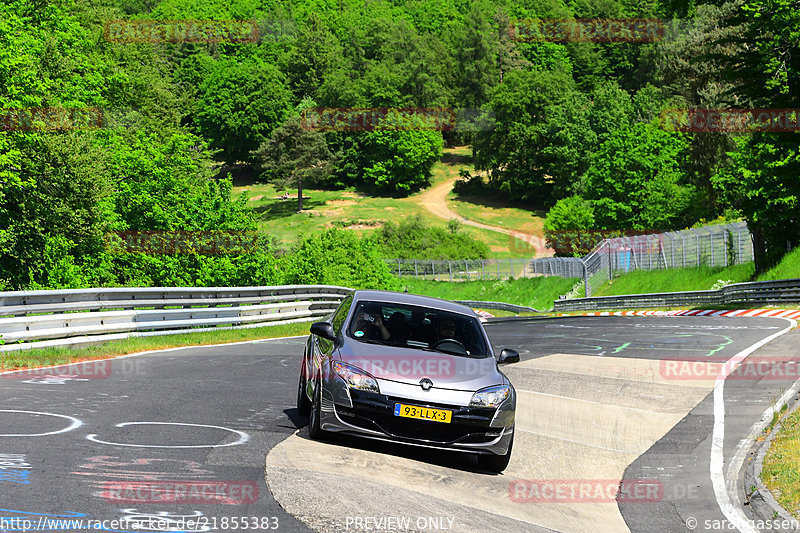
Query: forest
column 111, row 123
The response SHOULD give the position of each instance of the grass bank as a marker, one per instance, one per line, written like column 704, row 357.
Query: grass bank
column 60, row 355
column 788, row 268
column 674, row 280
column 532, row 292
column 781, row 472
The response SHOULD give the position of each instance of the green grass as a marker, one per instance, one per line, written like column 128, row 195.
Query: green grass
column 536, row 292
column 788, row 268
column 674, row 280
column 59, row 355
column 781, row 472
column 495, row 211
column 362, row 213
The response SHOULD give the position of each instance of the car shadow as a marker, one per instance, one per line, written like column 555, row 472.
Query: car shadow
column 456, row 460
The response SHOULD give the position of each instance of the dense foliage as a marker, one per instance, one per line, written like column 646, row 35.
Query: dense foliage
column 413, row 239
column 575, row 125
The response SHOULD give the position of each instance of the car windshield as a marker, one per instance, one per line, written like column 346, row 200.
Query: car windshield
column 418, row 327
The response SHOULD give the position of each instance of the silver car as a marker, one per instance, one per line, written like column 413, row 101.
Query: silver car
column 409, row 369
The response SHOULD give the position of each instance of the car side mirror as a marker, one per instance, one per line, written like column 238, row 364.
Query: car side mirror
column 324, row 330
column 508, row 356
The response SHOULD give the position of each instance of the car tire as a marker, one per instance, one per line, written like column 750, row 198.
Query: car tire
column 496, row 463
column 303, row 403
column 314, row 430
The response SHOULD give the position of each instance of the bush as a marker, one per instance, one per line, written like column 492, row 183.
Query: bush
column 566, row 224
column 337, row 257
column 413, row 239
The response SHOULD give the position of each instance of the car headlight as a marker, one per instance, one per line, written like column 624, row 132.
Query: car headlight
column 355, row 377
column 490, row 396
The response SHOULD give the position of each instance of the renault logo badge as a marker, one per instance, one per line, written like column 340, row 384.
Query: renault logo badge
column 426, row 384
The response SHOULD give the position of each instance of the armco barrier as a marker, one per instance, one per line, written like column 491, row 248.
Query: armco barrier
column 502, row 306
column 61, row 317
column 753, row 293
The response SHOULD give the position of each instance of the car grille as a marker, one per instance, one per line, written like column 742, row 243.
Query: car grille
column 376, row 413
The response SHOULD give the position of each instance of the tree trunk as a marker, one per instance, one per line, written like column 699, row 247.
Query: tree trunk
column 299, row 194
column 759, row 250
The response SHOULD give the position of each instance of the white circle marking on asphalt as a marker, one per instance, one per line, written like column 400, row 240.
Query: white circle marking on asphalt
column 243, row 437
column 75, row 424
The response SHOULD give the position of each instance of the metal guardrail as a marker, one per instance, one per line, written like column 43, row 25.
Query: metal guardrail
column 502, row 306
column 70, row 316
column 752, row 293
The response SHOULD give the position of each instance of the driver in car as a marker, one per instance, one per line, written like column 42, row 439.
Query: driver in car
column 445, row 329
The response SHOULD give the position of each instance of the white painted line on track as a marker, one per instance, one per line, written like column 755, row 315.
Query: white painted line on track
column 725, row 489
column 75, row 423
column 243, row 437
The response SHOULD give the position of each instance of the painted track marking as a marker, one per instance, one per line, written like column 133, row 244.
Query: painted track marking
column 243, row 437
column 724, row 488
column 75, row 424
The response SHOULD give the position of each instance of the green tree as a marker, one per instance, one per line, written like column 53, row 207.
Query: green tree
column 239, row 106
column 637, row 180
column 294, row 155
column 763, row 183
column 541, row 139
column 398, row 157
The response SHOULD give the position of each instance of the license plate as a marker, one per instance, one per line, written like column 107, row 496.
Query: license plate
column 423, row 413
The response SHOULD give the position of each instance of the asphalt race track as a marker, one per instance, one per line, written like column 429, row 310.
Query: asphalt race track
column 208, row 439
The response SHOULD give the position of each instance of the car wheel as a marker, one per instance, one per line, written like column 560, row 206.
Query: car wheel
column 303, row 403
column 496, row 463
column 314, row 429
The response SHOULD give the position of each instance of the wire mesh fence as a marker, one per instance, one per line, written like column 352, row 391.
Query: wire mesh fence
column 716, row 246
column 487, row 269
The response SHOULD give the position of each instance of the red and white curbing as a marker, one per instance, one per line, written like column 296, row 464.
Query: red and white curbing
column 740, row 313
column 483, row 315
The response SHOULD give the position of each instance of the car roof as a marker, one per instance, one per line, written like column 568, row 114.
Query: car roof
column 412, row 299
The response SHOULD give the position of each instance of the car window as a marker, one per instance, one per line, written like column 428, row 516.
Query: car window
column 417, row 327
column 341, row 314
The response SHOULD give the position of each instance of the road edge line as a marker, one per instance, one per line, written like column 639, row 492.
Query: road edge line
column 723, row 489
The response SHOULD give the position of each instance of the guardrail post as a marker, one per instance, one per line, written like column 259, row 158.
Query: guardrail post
column 466, row 268
column 450, row 269
column 433, row 269
column 415, row 269
column 398, row 268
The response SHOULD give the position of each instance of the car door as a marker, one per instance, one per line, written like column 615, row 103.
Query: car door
column 322, row 349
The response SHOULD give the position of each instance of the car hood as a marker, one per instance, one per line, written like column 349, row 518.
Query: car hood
column 408, row 365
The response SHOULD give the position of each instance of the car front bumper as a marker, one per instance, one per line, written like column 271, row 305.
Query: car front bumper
column 368, row 414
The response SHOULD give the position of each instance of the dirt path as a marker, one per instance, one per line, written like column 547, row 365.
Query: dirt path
column 435, row 201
